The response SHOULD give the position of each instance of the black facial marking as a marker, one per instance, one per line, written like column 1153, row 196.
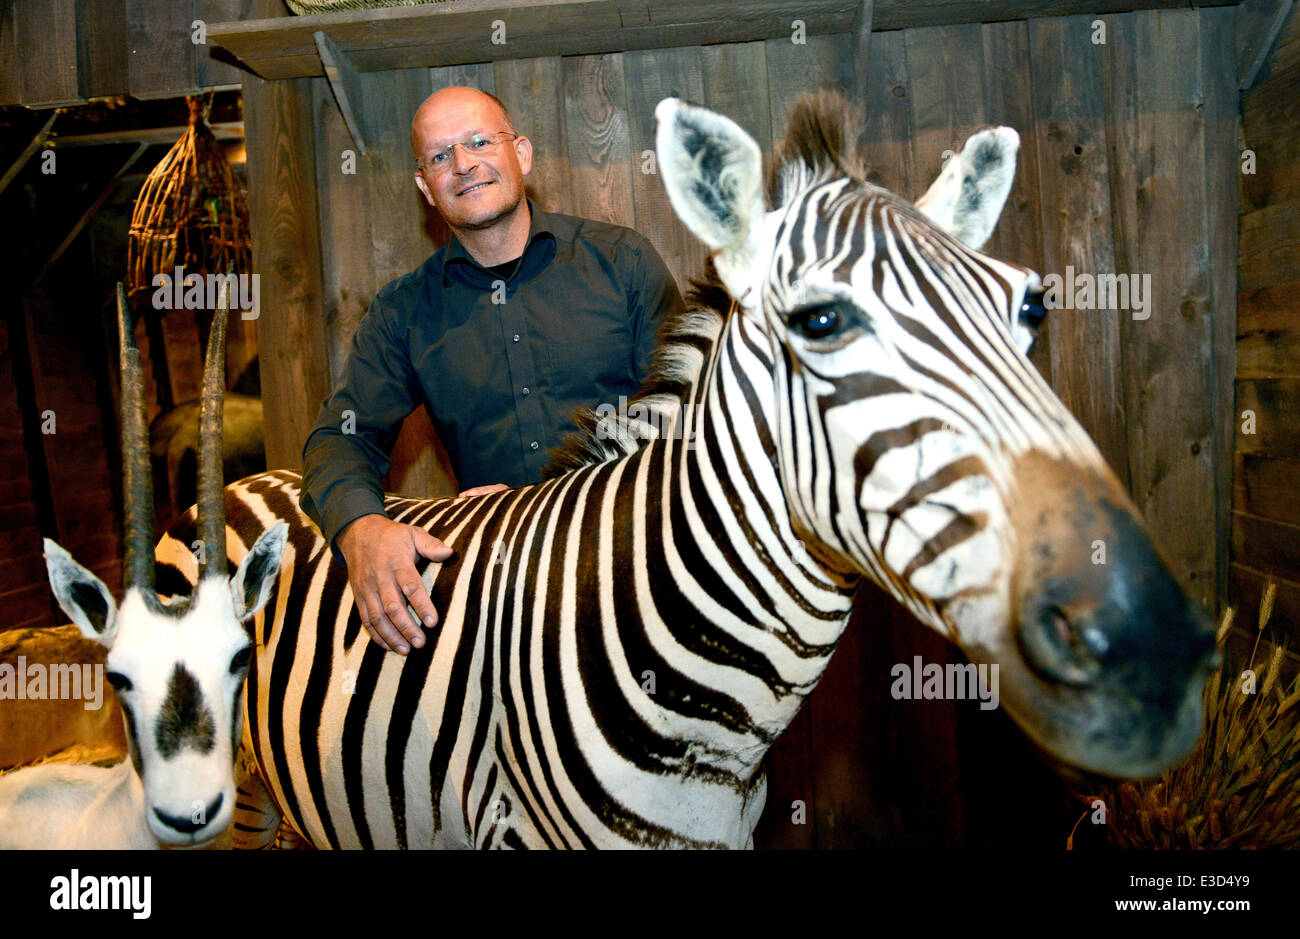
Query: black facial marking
column 132, row 745
column 92, row 603
column 184, row 719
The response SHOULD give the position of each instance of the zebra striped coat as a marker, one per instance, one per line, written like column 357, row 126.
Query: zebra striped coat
column 621, row 644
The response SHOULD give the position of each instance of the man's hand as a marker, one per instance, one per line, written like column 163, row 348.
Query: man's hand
column 381, row 555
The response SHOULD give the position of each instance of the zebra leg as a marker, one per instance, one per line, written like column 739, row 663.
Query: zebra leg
column 257, row 819
column 286, row 839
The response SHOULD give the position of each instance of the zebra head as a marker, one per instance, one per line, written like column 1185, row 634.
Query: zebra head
column 917, row 445
column 177, row 666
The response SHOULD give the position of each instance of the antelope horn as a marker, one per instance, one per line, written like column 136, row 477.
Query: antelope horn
column 212, row 504
column 137, row 482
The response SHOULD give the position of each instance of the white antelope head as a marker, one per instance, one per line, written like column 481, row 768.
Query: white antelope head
column 917, row 445
column 177, row 665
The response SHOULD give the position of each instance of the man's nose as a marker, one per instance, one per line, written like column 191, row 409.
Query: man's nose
column 462, row 161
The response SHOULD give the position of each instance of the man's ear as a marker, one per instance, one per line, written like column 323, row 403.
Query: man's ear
column 424, row 188
column 713, row 172
column 252, row 583
column 524, row 150
column 967, row 198
column 81, row 595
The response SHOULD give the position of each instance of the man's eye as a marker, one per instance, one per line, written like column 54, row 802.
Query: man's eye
column 818, row 322
column 438, row 158
column 479, row 143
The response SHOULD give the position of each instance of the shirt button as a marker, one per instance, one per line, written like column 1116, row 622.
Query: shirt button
column 526, row 389
column 533, row 445
column 516, row 337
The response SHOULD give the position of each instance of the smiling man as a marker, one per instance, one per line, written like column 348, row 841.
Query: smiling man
column 523, row 316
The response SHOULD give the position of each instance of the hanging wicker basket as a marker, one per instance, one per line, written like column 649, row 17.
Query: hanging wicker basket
column 190, row 213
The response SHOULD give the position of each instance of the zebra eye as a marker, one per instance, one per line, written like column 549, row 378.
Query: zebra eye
column 241, row 659
column 820, row 321
column 119, row 681
column 1033, row 309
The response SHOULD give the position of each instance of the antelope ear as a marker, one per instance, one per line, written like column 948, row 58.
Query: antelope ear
column 713, row 172
column 81, row 595
column 252, row 583
column 967, row 198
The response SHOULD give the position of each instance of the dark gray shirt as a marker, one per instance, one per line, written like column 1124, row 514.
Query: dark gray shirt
column 499, row 362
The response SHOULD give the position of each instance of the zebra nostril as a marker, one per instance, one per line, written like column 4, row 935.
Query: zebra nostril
column 186, row 825
column 1059, row 649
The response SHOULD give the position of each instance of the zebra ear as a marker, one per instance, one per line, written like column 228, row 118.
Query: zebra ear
column 713, row 172
column 252, row 583
column 967, row 198
column 81, row 595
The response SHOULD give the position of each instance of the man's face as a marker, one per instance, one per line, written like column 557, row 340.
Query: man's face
column 472, row 190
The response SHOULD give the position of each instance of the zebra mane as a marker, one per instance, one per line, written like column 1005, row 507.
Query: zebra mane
column 685, row 341
column 820, row 145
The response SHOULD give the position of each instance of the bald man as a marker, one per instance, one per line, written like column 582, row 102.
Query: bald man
column 523, row 316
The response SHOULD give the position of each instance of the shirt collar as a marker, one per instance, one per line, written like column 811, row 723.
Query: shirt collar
column 537, row 253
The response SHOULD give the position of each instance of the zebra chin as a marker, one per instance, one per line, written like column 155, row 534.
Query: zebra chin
column 1106, row 660
column 1105, row 730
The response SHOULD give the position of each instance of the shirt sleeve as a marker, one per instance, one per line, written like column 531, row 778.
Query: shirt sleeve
column 652, row 296
column 347, row 452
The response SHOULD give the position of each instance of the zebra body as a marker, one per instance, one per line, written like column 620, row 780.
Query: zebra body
column 526, row 721
column 620, row 645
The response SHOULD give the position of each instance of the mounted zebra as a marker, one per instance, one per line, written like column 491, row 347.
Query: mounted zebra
column 620, row 645
column 177, row 666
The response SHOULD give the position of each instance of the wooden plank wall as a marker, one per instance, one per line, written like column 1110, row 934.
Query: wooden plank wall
column 1266, row 497
column 25, row 597
column 1128, row 157
column 102, row 48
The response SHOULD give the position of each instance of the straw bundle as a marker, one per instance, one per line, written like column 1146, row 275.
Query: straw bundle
column 1240, row 788
column 190, row 213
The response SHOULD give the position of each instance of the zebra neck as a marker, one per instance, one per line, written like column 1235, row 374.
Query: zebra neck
column 753, row 616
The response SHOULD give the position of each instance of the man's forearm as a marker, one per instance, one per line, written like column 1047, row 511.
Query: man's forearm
column 340, row 481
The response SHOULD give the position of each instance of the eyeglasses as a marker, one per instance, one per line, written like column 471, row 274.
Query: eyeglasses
column 478, row 145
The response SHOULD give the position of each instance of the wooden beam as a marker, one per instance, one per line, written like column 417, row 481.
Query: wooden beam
column 1258, row 23
column 283, row 214
column 862, row 20
column 468, row 31
column 231, row 130
column 28, row 150
column 346, row 85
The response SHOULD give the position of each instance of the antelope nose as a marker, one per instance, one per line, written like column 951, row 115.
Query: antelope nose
column 186, row 824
